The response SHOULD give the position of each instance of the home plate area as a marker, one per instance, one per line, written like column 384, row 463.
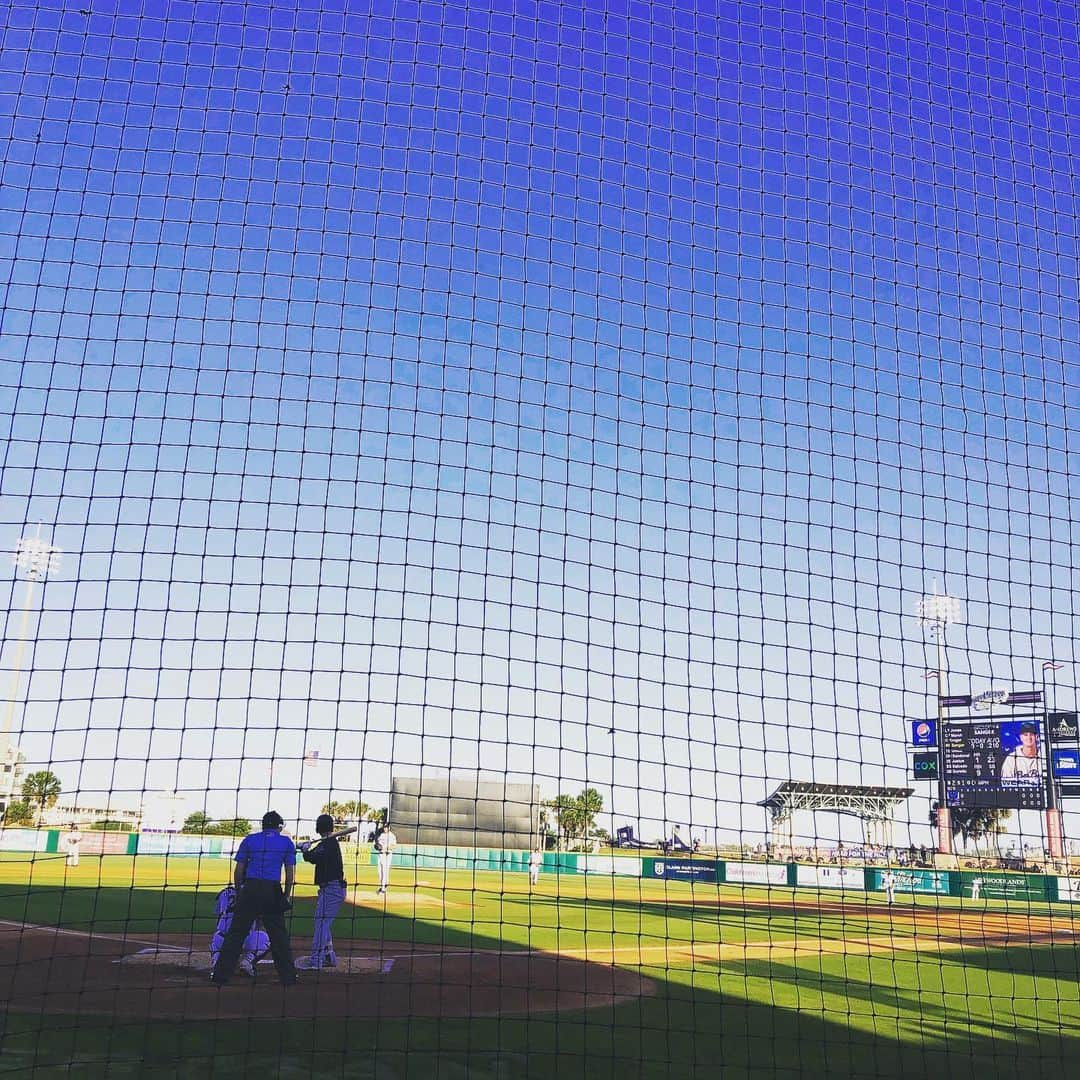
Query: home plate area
column 199, row 961
column 48, row 970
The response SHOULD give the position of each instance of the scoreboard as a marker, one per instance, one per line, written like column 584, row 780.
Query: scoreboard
column 974, row 759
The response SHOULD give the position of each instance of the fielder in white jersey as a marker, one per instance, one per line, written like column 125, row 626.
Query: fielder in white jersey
column 536, row 860
column 72, row 841
column 888, row 880
column 385, row 843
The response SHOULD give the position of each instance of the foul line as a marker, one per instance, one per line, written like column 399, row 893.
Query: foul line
column 123, row 938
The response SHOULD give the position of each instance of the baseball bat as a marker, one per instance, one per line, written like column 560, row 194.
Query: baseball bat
column 308, row 845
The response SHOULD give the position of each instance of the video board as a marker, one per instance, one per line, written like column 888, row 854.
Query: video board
column 996, row 763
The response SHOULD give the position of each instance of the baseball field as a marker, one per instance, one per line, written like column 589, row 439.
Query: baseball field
column 459, row 974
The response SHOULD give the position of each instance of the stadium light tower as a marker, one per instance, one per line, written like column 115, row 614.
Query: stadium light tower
column 937, row 611
column 36, row 559
column 1055, row 828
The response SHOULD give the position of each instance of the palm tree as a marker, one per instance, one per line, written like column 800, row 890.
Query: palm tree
column 356, row 810
column 590, row 803
column 43, row 788
column 567, row 817
column 974, row 823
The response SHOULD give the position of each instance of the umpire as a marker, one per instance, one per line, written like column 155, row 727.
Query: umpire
column 257, row 878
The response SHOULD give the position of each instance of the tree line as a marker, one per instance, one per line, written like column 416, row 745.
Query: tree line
column 355, row 810
column 572, row 817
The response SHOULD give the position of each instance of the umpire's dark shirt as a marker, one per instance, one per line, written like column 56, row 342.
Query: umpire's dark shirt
column 327, row 859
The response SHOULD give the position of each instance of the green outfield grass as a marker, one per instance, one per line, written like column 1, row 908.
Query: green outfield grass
column 754, row 1011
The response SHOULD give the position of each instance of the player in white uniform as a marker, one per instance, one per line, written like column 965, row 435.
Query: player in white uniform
column 385, row 843
column 72, row 840
column 888, row 880
column 256, row 944
column 536, row 860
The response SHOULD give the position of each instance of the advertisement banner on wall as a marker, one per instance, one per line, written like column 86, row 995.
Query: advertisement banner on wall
column 1003, row 886
column 756, row 873
column 100, row 843
column 681, row 870
column 181, row 844
column 622, row 865
column 1068, row 888
column 23, row 839
column 832, row 877
column 913, row 881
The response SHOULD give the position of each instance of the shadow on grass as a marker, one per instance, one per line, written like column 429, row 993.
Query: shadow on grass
column 831, row 1016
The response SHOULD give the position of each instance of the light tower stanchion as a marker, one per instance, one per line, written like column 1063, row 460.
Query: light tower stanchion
column 937, row 611
column 36, row 559
column 1055, row 830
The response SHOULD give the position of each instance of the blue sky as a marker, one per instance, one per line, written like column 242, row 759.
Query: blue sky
column 448, row 384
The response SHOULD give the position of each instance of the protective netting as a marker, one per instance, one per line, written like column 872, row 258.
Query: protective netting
column 537, row 424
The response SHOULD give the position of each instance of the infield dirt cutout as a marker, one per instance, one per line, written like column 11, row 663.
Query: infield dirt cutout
column 46, row 970
column 42, row 970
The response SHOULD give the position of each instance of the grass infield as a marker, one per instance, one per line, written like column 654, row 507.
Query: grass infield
column 747, row 982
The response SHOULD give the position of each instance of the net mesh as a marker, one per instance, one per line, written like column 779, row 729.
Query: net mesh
column 549, row 416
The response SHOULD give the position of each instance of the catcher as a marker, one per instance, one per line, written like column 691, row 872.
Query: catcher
column 257, row 943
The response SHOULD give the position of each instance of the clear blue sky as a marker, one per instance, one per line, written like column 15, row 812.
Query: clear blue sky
column 450, row 383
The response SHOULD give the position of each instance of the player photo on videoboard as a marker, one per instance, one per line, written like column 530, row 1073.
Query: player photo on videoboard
column 1021, row 760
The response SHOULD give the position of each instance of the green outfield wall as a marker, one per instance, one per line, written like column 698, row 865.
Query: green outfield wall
column 960, row 884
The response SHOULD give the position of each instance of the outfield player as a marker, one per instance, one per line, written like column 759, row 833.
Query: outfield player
column 330, row 878
column 888, row 880
column 535, row 862
column 385, row 843
column 260, row 860
column 976, row 887
column 72, row 841
column 256, row 945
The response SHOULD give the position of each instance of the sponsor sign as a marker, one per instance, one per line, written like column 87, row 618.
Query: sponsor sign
column 955, row 701
column 99, row 843
column 1024, row 697
column 755, row 873
column 1066, row 762
column 185, row 844
column 681, row 869
column 925, row 766
column 924, row 733
column 832, row 877
column 622, row 865
column 1005, row 886
column 1069, row 789
column 913, row 881
column 1068, row 888
column 1063, row 727
column 23, row 839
